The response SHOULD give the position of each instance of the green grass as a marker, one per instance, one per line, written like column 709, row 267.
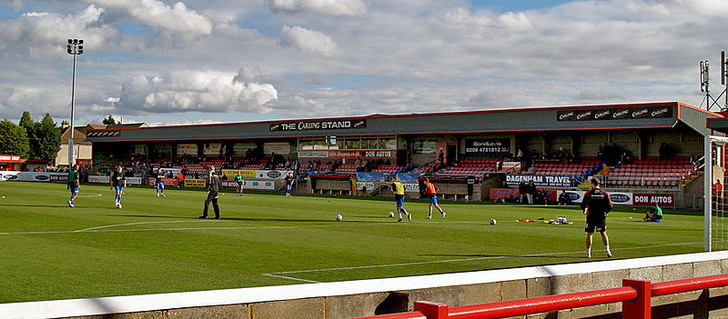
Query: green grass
column 157, row 245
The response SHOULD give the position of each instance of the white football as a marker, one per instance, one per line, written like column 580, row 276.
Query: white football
column 391, row 214
column 493, row 222
column 118, row 205
column 339, row 217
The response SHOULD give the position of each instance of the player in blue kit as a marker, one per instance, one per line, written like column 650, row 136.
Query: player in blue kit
column 118, row 182
column 159, row 185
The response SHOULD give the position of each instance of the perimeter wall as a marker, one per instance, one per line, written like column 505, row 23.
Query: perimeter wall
column 379, row 296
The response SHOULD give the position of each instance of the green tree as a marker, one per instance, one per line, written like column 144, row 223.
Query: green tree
column 13, row 139
column 48, row 138
column 31, row 129
column 26, row 121
column 109, row 120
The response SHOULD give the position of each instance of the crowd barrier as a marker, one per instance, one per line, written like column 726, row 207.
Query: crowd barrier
column 635, row 295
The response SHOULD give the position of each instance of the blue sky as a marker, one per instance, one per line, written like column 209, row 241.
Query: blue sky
column 210, row 61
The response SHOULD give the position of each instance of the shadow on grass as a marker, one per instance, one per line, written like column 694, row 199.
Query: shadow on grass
column 500, row 256
column 248, row 219
column 43, row 206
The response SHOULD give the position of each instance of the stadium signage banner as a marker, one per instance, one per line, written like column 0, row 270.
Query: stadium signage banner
column 408, row 187
column 641, row 199
column 539, row 180
column 98, row 179
column 245, row 173
column 265, row 174
column 32, row 176
column 9, row 158
column 504, row 193
column 165, row 181
column 260, row 185
column 348, row 154
column 59, row 177
column 617, row 198
column 411, row 187
column 488, row 146
column 626, row 113
column 318, row 125
column 134, row 181
column 195, row 182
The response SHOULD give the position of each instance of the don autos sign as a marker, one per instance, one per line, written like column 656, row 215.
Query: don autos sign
column 318, row 125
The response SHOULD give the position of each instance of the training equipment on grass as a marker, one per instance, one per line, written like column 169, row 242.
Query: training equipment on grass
column 339, row 217
column 493, row 221
column 391, row 214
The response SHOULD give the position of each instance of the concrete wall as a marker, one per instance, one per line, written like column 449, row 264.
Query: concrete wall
column 380, row 296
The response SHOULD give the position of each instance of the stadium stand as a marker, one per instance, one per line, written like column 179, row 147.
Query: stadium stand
column 468, row 167
column 652, row 173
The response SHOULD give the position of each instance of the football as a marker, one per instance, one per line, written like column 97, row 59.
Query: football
column 339, row 217
column 493, row 222
column 118, row 205
column 391, row 214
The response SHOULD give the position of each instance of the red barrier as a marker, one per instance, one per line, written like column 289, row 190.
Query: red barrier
column 635, row 295
column 683, row 285
column 542, row 304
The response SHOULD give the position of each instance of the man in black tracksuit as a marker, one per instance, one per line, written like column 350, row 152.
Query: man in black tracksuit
column 596, row 205
column 213, row 187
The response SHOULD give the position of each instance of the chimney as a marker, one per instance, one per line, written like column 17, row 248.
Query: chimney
column 64, row 125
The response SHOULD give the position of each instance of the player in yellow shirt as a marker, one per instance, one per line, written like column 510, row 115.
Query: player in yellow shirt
column 398, row 190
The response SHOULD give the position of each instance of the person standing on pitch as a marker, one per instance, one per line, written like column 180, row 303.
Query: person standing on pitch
column 159, row 185
column 431, row 191
column 74, row 184
column 240, row 181
column 596, row 206
column 213, row 187
column 118, row 182
column 398, row 190
column 288, row 181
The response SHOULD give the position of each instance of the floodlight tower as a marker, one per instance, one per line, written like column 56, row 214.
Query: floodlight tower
column 74, row 48
column 724, row 78
column 705, row 84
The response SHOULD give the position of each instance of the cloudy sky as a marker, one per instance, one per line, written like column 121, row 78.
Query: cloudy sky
column 208, row 61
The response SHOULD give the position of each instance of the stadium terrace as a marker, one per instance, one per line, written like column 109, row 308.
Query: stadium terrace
column 639, row 150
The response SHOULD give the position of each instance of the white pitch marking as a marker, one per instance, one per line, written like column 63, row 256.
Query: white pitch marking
column 129, row 224
column 90, row 230
column 89, row 195
column 280, row 273
column 292, row 278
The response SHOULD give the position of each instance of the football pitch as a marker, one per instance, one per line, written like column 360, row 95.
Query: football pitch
column 158, row 245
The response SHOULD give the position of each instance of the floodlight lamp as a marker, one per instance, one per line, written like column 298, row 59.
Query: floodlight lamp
column 80, row 41
column 70, row 41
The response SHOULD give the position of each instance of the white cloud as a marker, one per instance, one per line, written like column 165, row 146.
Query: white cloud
column 158, row 14
column 487, row 19
column 308, row 41
column 330, row 7
column 195, row 91
column 36, row 34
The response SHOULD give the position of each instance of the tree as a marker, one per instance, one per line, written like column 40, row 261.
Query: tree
column 48, row 138
column 109, row 120
column 13, row 139
column 26, row 121
column 31, row 130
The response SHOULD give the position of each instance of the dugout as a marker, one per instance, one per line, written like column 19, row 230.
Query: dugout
column 436, row 143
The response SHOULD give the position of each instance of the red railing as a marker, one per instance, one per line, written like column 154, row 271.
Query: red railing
column 635, row 295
